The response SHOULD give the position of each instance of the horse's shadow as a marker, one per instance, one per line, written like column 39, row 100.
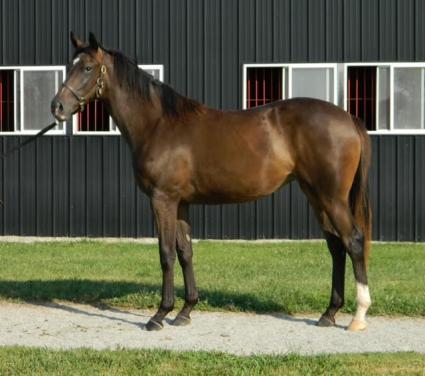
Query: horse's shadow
column 96, row 292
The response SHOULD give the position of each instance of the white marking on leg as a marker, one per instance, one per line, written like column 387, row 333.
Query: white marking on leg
column 188, row 237
column 363, row 301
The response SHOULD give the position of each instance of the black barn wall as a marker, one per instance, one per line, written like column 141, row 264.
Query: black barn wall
column 83, row 185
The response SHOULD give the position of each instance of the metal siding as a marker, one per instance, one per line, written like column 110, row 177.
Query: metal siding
column 263, row 30
column 369, row 30
column 76, row 20
column 316, row 31
column 127, row 199
column 334, row 21
column 352, row 30
column 387, row 211
column 11, row 189
column 161, row 34
column 27, row 33
column 387, row 20
column 127, row 27
column 299, row 30
column 10, row 28
column 405, row 30
column 43, row 187
column 27, row 192
column 60, row 179
column 93, row 21
column 374, row 186
column 144, row 32
column 419, row 189
column 281, row 19
column 419, row 30
column 110, row 185
column 60, row 32
column 82, row 186
column 405, row 192
column 43, row 32
column 77, row 187
column 110, row 23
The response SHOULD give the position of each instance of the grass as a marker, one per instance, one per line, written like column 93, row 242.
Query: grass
column 288, row 277
column 26, row 361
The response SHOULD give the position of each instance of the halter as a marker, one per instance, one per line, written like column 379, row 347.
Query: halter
column 100, row 85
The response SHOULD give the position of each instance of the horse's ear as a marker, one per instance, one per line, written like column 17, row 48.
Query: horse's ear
column 76, row 42
column 93, row 41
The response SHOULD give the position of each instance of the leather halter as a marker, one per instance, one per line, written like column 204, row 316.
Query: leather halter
column 100, row 85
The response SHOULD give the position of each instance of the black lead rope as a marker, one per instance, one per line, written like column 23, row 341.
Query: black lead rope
column 28, row 140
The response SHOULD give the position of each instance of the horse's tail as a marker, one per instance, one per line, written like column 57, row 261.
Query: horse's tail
column 359, row 197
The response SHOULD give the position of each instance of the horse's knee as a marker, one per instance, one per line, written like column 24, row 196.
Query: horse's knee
column 167, row 259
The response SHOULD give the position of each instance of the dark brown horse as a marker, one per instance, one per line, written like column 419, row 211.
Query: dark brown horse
column 184, row 152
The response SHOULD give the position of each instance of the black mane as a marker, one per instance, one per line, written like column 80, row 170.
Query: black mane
column 140, row 82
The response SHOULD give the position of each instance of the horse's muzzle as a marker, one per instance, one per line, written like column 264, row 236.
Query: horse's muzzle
column 57, row 109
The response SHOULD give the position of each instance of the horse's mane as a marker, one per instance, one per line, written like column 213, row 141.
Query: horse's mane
column 140, row 83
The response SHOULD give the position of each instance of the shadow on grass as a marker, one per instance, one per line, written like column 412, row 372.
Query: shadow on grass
column 137, row 295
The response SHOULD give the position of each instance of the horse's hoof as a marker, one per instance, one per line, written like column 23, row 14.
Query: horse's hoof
column 357, row 325
column 181, row 321
column 153, row 326
column 325, row 321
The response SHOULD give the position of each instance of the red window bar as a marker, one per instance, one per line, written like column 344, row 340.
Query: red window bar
column 361, row 94
column 264, row 85
column 6, row 101
column 94, row 118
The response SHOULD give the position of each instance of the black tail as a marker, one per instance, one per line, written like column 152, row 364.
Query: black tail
column 359, row 197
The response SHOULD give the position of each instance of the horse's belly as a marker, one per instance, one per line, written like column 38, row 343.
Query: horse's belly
column 228, row 187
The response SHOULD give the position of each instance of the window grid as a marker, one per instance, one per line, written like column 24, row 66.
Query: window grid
column 341, row 91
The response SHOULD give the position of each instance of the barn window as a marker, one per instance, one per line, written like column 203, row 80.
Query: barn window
column 264, row 85
column 387, row 96
column 267, row 83
column 25, row 95
column 409, row 98
column 7, row 101
column 96, row 120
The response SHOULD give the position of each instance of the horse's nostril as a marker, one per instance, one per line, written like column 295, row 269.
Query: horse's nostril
column 57, row 106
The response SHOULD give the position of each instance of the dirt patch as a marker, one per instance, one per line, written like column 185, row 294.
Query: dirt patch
column 65, row 326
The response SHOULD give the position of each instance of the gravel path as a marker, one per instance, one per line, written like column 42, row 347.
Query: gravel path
column 65, row 326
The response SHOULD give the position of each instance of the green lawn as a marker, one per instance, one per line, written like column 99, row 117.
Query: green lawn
column 286, row 277
column 25, row 361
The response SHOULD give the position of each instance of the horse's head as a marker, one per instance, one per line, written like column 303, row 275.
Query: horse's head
column 85, row 80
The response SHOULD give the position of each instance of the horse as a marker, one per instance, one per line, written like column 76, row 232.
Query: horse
column 186, row 153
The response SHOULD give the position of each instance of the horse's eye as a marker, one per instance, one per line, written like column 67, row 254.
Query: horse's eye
column 88, row 69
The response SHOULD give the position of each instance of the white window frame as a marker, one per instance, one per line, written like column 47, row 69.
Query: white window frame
column 19, row 69
column 391, row 66
column 341, row 69
column 289, row 67
column 112, row 131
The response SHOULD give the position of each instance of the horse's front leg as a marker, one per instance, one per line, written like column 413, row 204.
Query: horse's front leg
column 165, row 210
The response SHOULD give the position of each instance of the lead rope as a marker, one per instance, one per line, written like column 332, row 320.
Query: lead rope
column 100, row 84
column 28, row 140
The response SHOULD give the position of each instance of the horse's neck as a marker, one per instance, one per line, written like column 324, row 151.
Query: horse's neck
column 133, row 116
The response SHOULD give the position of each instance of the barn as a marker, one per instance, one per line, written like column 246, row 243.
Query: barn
column 367, row 56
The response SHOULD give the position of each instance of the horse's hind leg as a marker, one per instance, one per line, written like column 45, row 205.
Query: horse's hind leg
column 185, row 253
column 338, row 253
column 342, row 220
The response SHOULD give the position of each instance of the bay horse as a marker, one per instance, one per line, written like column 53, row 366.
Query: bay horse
column 184, row 152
